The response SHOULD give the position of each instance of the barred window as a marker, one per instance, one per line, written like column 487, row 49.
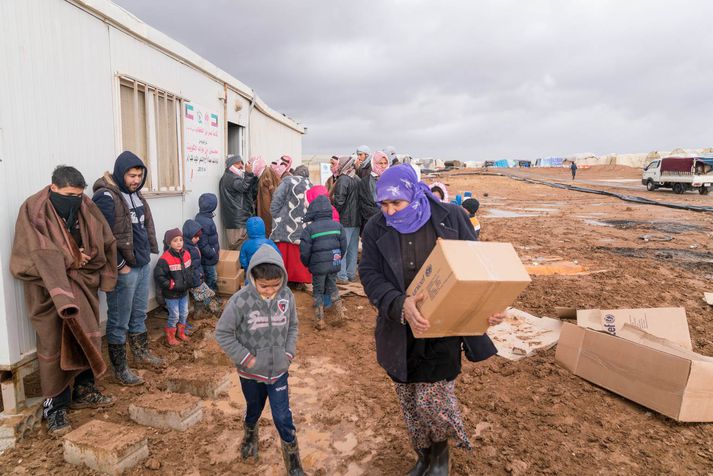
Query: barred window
column 150, row 128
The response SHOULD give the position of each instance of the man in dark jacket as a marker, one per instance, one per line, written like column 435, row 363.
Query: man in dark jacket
column 322, row 246
column 208, row 242
column 346, row 201
column 238, row 190
column 118, row 196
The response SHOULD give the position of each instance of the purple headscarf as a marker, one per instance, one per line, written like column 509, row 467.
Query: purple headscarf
column 400, row 183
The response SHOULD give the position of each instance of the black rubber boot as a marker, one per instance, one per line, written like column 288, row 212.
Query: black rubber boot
column 249, row 448
column 424, row 460
column 124, row 375
column 139, row 344
column 87, row 395
column 291, row 456
column 440, row 464
column 58, row 423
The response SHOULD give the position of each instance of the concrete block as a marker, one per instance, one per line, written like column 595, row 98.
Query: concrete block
column 106, row 447
column 177, row 411
column 200, row 380
column 13, row 428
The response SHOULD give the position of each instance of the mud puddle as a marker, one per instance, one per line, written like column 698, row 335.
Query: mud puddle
column 691, row 260
column 661, row 226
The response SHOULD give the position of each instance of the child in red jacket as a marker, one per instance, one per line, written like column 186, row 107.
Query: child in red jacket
column 174, row 276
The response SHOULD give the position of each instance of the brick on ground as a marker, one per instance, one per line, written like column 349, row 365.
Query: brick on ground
column 106, row 447
column 204, row 381
column 177, row 411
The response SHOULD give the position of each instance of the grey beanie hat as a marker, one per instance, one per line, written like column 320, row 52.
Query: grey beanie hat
column 232, row 159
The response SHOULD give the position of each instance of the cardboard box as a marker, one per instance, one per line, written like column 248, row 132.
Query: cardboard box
column 667, row 322
column 652, row 371
column 464, row 283
column 228, row 263
column 231, row 285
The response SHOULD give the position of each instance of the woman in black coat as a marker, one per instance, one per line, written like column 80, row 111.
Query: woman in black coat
column 395, row 244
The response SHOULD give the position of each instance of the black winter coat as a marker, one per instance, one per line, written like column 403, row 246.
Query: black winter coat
column 367, row 204
column 346, row 201
column 323, row 241
column 173, row 274
column 208, row 244
column 237, row 198
column 190, row 228
column 381, row 273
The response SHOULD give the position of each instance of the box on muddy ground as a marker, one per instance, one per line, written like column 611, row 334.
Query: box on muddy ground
column 651, row 370
column 464, row 283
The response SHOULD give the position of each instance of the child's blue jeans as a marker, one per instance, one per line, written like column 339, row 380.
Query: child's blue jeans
column 256, row 393
column 177, row 311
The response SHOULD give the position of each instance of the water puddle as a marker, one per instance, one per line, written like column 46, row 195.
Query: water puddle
column 593, row 222
column 661, row 226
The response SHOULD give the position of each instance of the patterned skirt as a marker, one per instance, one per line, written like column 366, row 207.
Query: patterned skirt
column 431, row 413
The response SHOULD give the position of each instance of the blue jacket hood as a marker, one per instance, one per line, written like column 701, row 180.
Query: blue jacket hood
column 207, row 203
column 127, row 160
column 190, row 228
column 255, row 228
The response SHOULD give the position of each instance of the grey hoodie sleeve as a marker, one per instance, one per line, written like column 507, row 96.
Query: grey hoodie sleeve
column 279, row 198
column 225, row 331
column 291, row 344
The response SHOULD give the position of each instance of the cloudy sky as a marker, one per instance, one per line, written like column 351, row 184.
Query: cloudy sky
column 465, row 79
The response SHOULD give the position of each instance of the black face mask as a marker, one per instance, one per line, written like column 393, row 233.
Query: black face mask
column 67, row 207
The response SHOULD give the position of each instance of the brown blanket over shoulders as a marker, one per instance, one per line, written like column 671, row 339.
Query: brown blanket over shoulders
column 266, row 187
column 61, row 295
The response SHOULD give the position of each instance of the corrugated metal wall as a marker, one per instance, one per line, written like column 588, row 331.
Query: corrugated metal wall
column 59, row 105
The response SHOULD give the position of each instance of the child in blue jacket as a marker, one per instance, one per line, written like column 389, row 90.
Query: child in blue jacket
column 202, row 294
column 208, row 243
column 322, row 247
column 256, row 238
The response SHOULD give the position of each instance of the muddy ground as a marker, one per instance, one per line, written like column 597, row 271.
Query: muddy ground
column 525, row 417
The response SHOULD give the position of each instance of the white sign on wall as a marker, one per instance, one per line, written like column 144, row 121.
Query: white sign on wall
column 201, row 138
column 324, row 172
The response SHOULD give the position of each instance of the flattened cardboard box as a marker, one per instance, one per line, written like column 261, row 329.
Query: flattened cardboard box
column 667, row 322
column 228, row 263
column 652, row 371
column 464, row 283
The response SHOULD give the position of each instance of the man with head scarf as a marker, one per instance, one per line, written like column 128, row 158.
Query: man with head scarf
column 266, row 186
column 346, row 201
column 390, row 151
column 332, row 180
column 283, row 166
column 237, row 189
column 396, row 243
column 367, row 187
column 64, row 252
column 363, row 161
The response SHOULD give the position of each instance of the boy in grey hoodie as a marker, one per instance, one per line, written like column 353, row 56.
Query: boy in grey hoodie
column 258, row 331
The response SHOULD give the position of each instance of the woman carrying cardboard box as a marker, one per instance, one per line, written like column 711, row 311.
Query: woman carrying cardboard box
column 395, row 245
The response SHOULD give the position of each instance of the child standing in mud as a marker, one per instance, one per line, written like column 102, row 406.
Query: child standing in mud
column 258, row 331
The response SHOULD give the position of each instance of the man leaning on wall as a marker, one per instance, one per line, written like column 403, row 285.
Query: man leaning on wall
column 118, row 196
column 64, row 252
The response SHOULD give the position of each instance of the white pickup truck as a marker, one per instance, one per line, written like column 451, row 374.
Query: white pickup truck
column 680, row 174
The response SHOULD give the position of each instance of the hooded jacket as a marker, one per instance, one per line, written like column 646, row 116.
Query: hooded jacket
column 256, row 238
column 190, row 229
column 237, row 197
column 288, row 208
column 317, row 190
column 128, row 214
column 253, row 326
column 324, row 240
column 208, row 243
column 173, row 273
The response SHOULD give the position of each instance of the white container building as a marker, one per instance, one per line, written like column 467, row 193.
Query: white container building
column 83, row 80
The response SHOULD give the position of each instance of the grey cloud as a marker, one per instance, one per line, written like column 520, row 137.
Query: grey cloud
column 461, row 79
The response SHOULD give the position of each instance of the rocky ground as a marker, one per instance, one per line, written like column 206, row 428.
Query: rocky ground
column 525, row 417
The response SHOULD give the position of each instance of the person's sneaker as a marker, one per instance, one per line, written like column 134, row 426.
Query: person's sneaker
column 89, row 396
column 354, row 280
column 342, row 281
column 58, row 423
